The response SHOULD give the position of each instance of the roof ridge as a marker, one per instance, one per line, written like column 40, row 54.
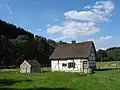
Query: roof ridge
column 84, row 42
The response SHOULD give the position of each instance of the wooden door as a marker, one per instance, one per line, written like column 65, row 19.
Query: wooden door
column 85, row 64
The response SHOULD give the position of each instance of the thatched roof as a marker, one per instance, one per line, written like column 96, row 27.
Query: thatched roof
column 70, row 51
column 33, row 62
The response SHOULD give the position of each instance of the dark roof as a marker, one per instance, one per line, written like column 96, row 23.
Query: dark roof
column 76, row 50
column 33, row 62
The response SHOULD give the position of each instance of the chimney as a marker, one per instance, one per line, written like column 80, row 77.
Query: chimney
column 73, row 41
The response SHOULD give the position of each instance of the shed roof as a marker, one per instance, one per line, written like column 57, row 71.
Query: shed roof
column 75, row 50
column 33, row 62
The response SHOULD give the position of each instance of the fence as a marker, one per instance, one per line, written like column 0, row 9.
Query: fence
column 110, row 64
column 100, row 65
column 45, row 67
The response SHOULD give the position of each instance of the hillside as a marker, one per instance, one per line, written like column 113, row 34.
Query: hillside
column 110, row 54
column 11, row 31
column 17, row 44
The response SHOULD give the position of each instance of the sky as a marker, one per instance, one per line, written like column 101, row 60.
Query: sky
column 67, row 20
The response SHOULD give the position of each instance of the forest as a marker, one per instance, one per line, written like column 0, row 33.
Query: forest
column 17, row 44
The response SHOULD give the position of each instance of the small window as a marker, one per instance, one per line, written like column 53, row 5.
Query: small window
column 64, row 65
column 71, row 65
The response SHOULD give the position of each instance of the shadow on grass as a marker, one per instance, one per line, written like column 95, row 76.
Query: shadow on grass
column 9, row 82
column 37, row 89
column 45, row 71
column 105, row 69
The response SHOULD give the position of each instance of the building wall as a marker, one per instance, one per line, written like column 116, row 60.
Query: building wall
column 36, row 69
column 92, row 62
column 54, row 65
column 57, row 65
column 25, row 67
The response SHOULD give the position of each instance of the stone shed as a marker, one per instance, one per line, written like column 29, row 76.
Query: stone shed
column 30, row 66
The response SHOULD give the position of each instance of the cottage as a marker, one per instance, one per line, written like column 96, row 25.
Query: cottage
column 75, row 57
column 30, row 66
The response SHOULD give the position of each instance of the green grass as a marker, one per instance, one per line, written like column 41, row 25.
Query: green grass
column 100, row 80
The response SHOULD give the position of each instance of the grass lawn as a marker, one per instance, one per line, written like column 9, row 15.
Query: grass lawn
column 100, row 80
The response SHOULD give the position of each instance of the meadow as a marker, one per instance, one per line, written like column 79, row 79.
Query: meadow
column 100, row 80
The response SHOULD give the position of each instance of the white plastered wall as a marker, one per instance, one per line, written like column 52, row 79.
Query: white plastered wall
column 56, row 65
column 25, row 67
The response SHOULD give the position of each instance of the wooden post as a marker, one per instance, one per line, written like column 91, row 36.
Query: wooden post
column 73, row 63
column 58, row 65
column 116, row 64
column 100, row 63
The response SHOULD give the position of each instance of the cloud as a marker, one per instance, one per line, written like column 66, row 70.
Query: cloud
column 105, row 42
column 100, row 11
column 103, row 48
column 73, row 28
column 83, row 23
column 48, row 25
column 8, row 7
column 87, row 7
column 64, row 37
column 101, row 39
column 103, row 8
column 84, row 15
column 56, row 20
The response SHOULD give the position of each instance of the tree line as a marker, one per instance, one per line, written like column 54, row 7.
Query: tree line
column 110, row 54
column 17, row 44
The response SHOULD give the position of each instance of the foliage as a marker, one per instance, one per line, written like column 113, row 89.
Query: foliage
column 12, row 32
column 16, row 44
column 110, row 54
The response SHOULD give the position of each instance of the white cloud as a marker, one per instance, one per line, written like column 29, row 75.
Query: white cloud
column 101, row 39
column 56, row 20
column 84, row 15
column 103, row 48
column 74, row 28
column 103, row 8
column 54, row 29
column 105, row 42
column 64, row 37
column 87, row 7
column 97, row 12
column 48, row 25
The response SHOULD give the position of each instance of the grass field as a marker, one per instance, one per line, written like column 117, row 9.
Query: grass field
column 100, row 80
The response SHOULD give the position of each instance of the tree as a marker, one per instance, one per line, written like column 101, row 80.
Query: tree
column 42, row 50
column 20, row 47
column 11, row 31
column 17, row 44
column 6, row 52
column 101, row 55
column 61, row 42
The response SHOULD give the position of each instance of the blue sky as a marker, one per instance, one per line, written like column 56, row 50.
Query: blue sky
column 67, row 20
